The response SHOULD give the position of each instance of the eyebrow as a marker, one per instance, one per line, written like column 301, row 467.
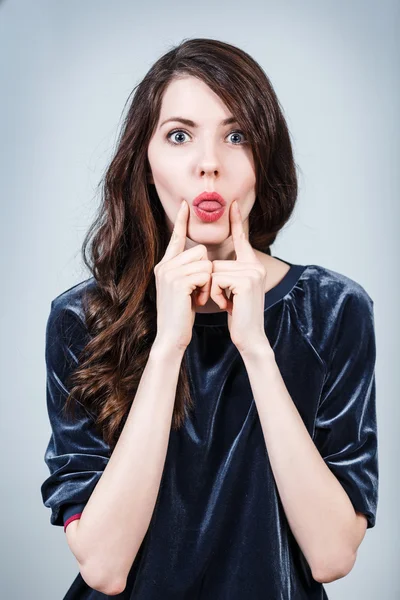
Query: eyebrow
column 191, row 123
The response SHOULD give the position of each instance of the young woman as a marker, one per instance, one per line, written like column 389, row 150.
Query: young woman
column 212, row 407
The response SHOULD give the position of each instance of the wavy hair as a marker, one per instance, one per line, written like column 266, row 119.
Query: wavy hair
column 129, row 235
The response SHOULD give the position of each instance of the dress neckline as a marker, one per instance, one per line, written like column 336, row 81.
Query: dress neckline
column 278, row 292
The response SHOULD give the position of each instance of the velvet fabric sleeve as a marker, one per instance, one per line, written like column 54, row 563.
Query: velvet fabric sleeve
column 76, row 455
column 346, row 425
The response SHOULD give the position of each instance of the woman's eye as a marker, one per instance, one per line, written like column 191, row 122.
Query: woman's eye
column 237, row 132
column 175, row 132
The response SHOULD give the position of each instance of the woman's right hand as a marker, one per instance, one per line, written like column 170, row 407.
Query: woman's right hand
column 178, row 274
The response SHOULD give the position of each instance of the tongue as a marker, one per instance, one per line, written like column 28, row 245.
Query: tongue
column 209, row 205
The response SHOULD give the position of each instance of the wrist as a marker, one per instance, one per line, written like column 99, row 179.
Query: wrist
column 259, row 350
column 163, row 349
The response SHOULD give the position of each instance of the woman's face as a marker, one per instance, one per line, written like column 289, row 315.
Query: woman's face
column 186, row 160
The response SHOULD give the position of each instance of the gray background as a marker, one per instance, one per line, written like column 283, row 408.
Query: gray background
column 66, row 69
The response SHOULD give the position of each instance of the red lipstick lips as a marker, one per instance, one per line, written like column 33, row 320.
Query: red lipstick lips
column 209, row 196
column 209, row 206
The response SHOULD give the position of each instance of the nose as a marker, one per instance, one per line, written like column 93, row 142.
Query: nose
column 209, row 163
column 209, row 171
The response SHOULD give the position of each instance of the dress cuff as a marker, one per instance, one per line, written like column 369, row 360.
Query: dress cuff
column 70, row 519
column 72, row 512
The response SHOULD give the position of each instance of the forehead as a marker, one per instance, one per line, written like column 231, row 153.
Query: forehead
column 193, row 99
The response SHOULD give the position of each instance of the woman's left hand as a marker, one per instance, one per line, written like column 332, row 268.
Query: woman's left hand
column 245, row 277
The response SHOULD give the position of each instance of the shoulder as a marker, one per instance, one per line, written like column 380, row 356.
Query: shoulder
column 327, row 287
column 72, row 300
column 322, row 298
column 66, row 326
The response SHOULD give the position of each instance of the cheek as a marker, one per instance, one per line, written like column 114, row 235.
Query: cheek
column 170, row 173
column 242, row 171
column 159, row 160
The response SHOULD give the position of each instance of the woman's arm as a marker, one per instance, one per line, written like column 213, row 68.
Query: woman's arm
column 116, row 517
column 328, row 484
column 318, row 509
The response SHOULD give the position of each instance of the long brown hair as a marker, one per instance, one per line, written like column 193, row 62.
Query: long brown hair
column 129, row 235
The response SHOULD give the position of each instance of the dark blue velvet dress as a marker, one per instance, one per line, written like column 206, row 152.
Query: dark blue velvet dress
column 218, row 530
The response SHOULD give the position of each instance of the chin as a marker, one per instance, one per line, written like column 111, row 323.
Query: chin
column 210, row 238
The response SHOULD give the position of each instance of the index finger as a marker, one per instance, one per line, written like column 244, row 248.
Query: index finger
column 176, row 244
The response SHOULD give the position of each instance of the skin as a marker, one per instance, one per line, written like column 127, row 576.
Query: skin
column 209, row 157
